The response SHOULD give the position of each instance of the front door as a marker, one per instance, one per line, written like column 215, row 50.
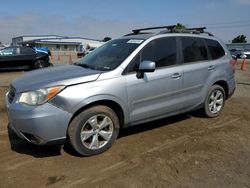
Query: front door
column 156, row 94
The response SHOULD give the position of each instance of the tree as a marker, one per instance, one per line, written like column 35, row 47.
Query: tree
column 240, row 39
column 180, row 26
column 106, row 39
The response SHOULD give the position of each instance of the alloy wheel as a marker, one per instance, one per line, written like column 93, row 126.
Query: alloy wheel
column 97, row 132
column 216, row 100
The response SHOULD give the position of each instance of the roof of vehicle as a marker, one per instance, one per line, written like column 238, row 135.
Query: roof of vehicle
column 171, row 29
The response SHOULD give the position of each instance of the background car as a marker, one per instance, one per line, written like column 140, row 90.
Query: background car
column 16, row 57
column 246, row 52
column 43, row 49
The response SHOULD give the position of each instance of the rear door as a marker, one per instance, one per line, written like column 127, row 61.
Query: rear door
column 196, row 70
column 27, row 56
column 157, row 93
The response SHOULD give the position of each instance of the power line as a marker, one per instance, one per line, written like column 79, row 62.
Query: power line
column 228, row 23
column 240, row 23
column 229, row 26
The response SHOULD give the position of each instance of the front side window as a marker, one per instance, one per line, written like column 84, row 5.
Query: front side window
column 194, row 49
column 110, row 55
column 162, row 51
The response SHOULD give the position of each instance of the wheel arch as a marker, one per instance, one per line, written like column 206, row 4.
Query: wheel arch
column 224, row 85
column 106, row 102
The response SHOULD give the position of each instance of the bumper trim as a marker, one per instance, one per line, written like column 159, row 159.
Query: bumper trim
column 36, row 140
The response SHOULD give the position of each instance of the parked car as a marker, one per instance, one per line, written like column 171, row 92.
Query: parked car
column 43, row 49
column 80, row 54
column 16, row 57
column 245, row 54
column 89, row 50
column 233, row 51
column 135, row 79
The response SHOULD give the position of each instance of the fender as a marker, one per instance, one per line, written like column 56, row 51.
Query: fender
column 96, row 98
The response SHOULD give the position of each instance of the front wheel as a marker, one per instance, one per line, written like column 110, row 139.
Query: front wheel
column 215, row 101
column 39, row 64
column 94, row 130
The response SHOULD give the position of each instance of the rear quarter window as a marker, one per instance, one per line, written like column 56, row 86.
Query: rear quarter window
column 215, row 49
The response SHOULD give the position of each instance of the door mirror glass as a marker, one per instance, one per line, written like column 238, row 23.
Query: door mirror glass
column 147, row 66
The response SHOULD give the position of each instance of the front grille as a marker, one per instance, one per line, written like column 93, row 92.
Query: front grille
column 11, row 94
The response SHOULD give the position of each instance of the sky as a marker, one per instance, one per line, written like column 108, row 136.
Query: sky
column 113, row 18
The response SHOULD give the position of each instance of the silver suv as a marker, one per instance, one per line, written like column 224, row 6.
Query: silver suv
column 137, row 78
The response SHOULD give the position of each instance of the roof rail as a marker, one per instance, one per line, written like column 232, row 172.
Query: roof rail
column 194, row 30
column 168, row 27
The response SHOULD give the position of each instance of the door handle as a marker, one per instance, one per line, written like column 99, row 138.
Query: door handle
column 176, row 75
column 211, row 68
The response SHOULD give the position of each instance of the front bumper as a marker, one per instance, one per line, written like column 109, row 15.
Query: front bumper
column 38, row 124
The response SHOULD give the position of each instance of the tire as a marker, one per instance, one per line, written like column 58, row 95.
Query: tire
column 214, row 102
column 94, row 130
column 39, row 64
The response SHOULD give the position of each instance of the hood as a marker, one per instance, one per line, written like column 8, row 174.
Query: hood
column 52, row 76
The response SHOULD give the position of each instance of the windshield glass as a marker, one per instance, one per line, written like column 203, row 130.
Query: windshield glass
column 110, row 55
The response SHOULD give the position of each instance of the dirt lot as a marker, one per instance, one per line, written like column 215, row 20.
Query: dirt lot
column 183, row 151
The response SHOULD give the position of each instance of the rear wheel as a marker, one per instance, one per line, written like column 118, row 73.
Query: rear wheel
column 39, row 64
column 94, row 130
column 215, row 101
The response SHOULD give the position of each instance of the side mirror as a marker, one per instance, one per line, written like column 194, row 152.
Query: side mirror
column 234, row 57
column 145, row 66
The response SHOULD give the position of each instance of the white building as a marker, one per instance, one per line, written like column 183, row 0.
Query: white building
column 57, row 43
column 239, row 46
column 2, row 45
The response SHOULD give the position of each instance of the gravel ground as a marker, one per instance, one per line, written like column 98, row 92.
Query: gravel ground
column 182, row 151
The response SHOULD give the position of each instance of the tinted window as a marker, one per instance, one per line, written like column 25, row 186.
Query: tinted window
column 26, row 51
column 194, row 49
column 215, row 48
column 161, row 51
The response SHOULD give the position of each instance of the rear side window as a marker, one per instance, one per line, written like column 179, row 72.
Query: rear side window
column 7, row 51
column 194, row 49
column 26, row 51
column 215, row 48
column 162, row 51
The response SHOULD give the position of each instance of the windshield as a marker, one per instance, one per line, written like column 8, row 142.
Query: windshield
column 110, row 55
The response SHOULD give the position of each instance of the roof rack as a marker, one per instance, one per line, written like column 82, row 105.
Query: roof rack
column 168, row 27
column 172, row 29
column 195, row 30
column 198, row 30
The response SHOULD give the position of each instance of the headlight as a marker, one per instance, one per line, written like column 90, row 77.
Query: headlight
column 40, row 96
